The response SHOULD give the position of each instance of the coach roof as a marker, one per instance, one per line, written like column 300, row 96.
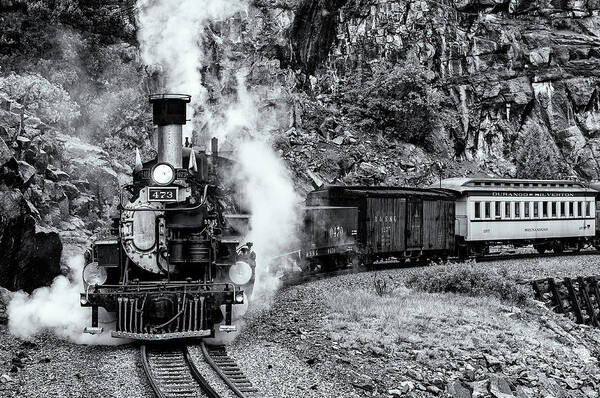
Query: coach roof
column 463, row 185
column 380, row 191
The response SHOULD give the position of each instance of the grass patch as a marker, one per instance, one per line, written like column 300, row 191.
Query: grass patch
column 435, row 327
column 469, row 280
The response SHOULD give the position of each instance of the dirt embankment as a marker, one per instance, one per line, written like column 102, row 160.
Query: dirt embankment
column 339, row 337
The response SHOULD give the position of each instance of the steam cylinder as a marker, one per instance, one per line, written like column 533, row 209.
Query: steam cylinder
column 169, row 114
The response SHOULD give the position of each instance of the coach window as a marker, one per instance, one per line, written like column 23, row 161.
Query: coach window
column 526, row 209
column 497, row 207
column 477, row 209
column 536, row 209
column 507, row 210
column 587, row 209
column 562, row 209
column 518, row 209
column 487, row 210
column 570, row 209
column 544, row 209
column 553, row 204
column 579, row 213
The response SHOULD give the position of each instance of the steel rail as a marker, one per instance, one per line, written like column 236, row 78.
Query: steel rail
column 206, row 387
column 230, row 383
column 146, row 364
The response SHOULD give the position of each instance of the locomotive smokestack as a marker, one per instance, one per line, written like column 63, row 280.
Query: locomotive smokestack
column 169, row 114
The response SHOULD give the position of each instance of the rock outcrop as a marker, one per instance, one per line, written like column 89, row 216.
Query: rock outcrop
column 503, row 63
column 507, row 67
column 31, row 255
column 55, row 190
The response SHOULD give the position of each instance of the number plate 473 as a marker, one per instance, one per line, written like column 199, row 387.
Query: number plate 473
column 162, row 194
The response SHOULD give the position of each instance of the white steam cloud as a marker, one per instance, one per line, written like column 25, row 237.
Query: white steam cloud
column 172, row 36
column 55, row 309
column 271, row 197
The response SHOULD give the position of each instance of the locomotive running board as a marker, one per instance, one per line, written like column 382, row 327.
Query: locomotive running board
column 162, row 336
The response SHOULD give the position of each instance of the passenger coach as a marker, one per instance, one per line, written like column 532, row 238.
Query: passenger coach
column 550, row 214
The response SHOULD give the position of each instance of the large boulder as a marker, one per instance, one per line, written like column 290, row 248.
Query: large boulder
column 30, row 257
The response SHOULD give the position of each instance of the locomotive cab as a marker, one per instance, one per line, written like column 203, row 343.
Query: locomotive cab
column 173, row 266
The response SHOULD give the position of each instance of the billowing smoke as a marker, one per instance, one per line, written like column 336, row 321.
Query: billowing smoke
column 172, row 35
column 271, row 197
column 55, row 309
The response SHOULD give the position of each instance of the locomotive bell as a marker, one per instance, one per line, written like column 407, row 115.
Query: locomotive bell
column 169, row 114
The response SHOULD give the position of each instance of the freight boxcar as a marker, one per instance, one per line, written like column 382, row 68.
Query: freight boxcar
column 394, row 221
column 330, row 236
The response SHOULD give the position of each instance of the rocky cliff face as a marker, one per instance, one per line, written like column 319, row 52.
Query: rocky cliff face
column 507, row 67
column 55, row 191
column 504, row 63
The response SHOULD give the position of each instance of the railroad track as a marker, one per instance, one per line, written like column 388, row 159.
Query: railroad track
column 172, row 372
column 228, row 370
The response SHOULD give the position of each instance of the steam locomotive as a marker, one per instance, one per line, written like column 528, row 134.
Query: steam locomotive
column 174, row 264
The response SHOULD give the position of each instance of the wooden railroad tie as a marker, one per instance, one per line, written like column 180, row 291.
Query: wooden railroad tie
column 576, row 298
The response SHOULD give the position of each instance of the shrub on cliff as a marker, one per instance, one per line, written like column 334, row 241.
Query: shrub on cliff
column 537, row 155
column 48, row 101
column 397, row 99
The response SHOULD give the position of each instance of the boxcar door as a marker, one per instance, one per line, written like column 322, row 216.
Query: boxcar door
column 433, row 231
column 385, row 221
column 414, row 224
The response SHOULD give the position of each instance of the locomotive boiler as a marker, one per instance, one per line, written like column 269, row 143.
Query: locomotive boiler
column 174, row 264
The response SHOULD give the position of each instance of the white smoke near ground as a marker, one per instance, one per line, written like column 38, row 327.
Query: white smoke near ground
column 267, row 186
column 264, row 182
column 56, row 309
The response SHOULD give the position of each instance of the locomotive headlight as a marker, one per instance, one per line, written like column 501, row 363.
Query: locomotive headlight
column 93, row 274
column 240, row 273
column 163, row 174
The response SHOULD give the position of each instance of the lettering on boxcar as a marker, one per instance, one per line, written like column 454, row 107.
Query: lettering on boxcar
column 385, row 218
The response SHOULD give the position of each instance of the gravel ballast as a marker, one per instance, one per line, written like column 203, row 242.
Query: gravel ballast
column 308, row 345
column 49, row 367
